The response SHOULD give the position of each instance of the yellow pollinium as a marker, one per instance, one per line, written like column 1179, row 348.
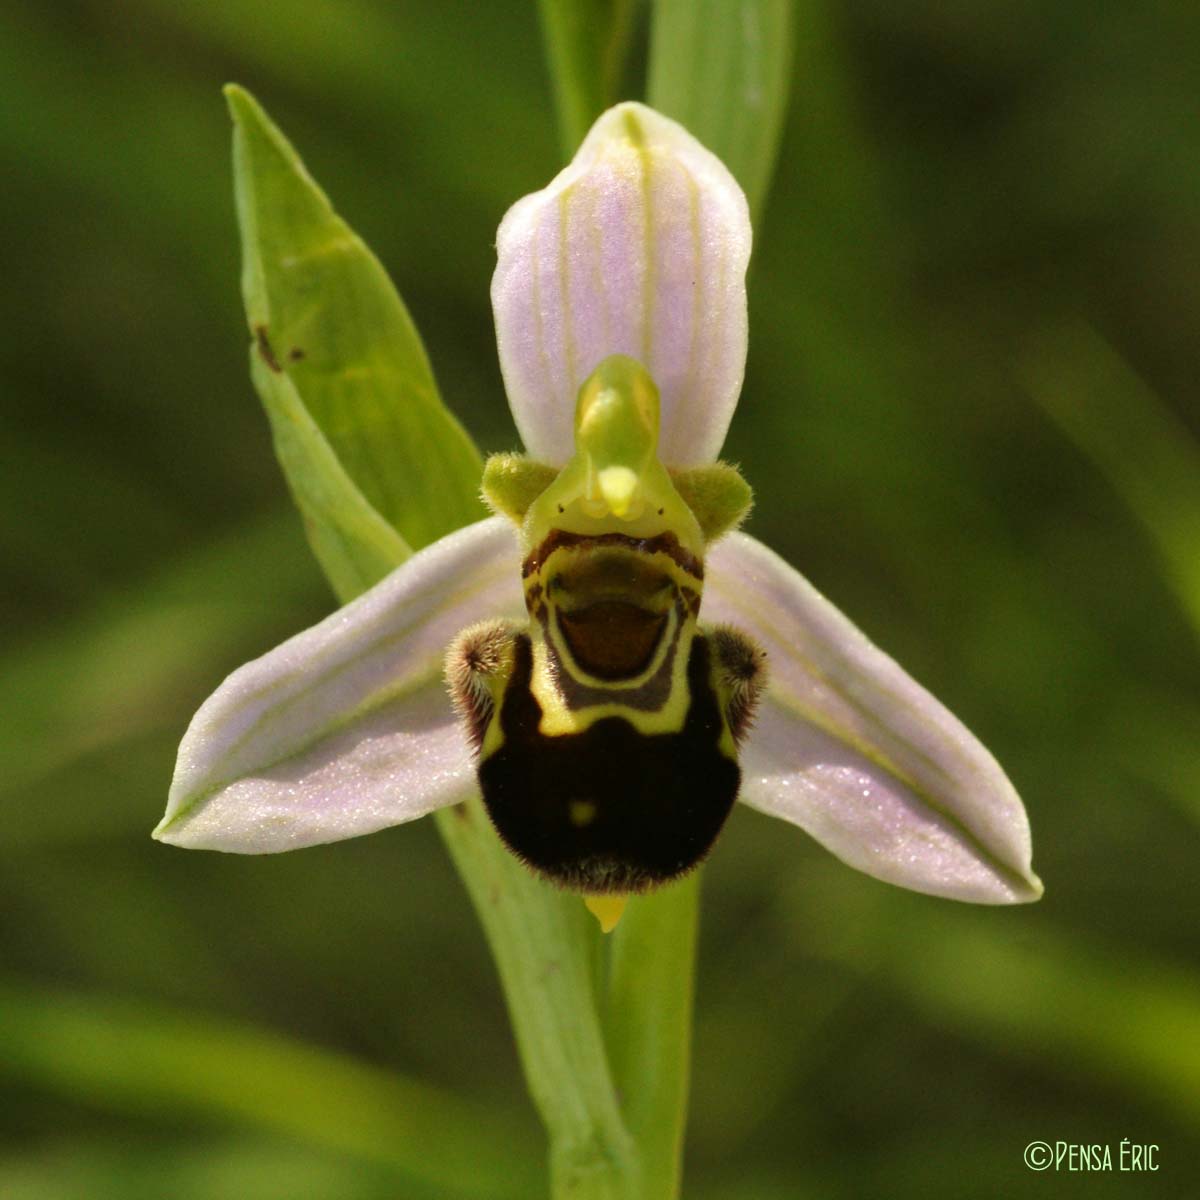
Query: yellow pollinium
column 606, row 909
column 618, row 491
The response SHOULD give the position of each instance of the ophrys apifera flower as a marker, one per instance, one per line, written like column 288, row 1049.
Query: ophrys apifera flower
column 607, row 658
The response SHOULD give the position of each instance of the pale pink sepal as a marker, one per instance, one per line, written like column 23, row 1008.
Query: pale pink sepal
column 347, row 727
column 854, row 751
column 638, row 247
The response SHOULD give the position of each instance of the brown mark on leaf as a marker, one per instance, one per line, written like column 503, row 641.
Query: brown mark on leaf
column 264, row 349
column 295, row 354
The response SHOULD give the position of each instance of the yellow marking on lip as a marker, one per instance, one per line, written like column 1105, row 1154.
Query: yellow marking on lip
column 581, row 812
column 606, row 909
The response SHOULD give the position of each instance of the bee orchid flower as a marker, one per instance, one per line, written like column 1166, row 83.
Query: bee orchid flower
column 607, row 658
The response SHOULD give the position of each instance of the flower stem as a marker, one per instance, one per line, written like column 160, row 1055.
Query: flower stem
column 648, row 1021
column 544, row 943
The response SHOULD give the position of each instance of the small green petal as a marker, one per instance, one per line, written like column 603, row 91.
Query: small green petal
column 718, row 496
column 512, row 482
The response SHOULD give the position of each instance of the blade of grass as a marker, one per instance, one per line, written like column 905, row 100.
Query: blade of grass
column 587, row 42
column 1052, row 998
column 723, row 70
column 1144, row 451
column 127, row 1056
column 194, row 1169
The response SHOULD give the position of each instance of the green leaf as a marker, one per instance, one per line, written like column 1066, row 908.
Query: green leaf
column 324, row 315
column 723, row 70
column 355, row 546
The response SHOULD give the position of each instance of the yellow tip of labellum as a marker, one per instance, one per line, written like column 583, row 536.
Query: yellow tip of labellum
column 606, row 909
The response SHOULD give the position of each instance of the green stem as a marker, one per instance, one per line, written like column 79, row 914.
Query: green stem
column 544, row 943
column 648, row 1020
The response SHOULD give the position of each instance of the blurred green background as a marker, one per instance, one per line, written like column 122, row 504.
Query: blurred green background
column 969, row 416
